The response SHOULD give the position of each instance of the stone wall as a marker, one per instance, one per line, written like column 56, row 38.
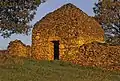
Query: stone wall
column 17, row 48
column 95, row 54
column 91, row 54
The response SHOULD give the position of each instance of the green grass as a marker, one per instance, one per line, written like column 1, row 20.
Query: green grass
column 31, row 70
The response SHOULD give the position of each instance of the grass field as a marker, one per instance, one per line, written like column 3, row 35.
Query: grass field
column 31, row 70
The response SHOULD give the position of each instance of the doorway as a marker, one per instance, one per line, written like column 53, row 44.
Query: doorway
column 56, row 50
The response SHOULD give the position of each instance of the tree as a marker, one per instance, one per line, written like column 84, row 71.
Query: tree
column 107, row 13
column 15, row 16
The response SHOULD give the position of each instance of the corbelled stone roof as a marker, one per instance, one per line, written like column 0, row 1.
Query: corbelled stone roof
column 71, row 19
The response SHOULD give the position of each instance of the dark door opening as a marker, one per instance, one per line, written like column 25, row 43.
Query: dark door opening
column 56, row 50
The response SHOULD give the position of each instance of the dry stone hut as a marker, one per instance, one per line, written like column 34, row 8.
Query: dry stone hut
column 60, row 33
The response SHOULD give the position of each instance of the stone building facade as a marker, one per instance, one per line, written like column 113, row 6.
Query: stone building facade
column 60, row 33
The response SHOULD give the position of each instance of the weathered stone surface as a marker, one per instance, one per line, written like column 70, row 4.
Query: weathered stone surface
column 17, row 48
column 96, row 54
column 68, row 24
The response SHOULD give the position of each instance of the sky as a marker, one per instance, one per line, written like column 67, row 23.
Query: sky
column 42, row 10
